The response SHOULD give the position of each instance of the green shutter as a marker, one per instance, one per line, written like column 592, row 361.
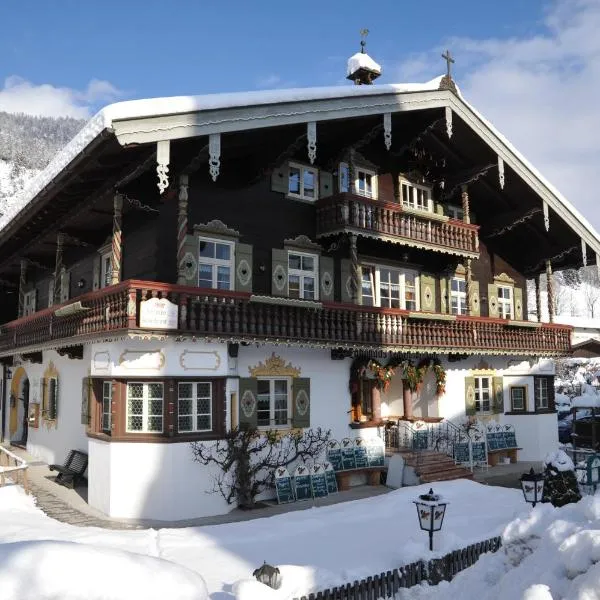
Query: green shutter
column 498, row 397
column 279, row 179
column 326, row 268
column 43, row 400
column 475, row 300
column 188, row 266
column 301, row 402
column 248, row 402
column 279, row 272
column 325, row 184
column 243, row 268
column 346, row 280
column 52, row 399
column 469, row 396
column 85, row 400
column 444, row 297
column 427, row 293
column 518, row 303
column 492, row 300
column 96, row 273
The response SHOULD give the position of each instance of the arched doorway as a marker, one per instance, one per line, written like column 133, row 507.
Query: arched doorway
column 19, row 408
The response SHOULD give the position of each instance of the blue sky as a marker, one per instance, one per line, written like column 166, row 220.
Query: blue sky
column 170, row 47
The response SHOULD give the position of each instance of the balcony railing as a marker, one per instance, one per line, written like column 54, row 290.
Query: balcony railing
column 240, row 316
column 374, row 218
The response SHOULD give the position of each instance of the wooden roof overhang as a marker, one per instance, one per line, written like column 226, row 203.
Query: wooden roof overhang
column 253, row 138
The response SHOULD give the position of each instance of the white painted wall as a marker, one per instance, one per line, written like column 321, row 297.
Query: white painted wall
column 537, row 435
column 99, row 475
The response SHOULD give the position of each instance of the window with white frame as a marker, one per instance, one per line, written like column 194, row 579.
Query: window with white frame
column 455, row 212
column 365, row 182
column 194, row 403
column 483, row 394
column 273, row 403
column 106, row 406
column 505, row 302
column 458, row 296
column 344, row 177
column 518, row 398
column 145, row 407
column 303, row 182
column 415, row 196
column 302, row 275
column 215, row 264
column 389, row 288
column 542, row 393
column 105, row 269
column 29, row 303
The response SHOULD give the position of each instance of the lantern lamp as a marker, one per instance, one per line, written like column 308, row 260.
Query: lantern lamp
column 431, row 509
column 268, row 575
column 532, row 485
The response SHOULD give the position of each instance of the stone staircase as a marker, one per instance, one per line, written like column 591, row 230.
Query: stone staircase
column 432, row 466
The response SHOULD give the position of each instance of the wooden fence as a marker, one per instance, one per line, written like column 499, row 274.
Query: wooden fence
column 387, row 585
column 12, row 466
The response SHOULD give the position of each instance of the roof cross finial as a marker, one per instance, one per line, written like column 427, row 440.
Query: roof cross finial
column 363, row 42
column 449, row 61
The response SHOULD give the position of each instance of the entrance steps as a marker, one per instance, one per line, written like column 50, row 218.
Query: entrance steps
column 433, row 466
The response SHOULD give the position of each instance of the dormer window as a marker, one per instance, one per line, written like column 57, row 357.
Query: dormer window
column 416, row 196
column 364, row 184
column 303, row 182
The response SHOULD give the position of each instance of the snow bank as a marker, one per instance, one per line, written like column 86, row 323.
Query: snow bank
column 48, row 570
column 560, row 461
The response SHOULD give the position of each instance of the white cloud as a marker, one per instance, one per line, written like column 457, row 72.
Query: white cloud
column 541, row 92
column 273, row 81
column 20, row 95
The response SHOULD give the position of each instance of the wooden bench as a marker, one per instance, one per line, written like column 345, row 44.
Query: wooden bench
column 501, row 443
column 373, row 476
column 72, row 470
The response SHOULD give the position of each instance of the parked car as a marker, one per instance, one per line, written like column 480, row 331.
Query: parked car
column 565, row 425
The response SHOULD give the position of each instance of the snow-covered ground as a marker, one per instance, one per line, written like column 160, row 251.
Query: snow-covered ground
column 314, row 548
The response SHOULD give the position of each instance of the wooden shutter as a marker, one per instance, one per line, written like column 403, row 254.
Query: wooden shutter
column 279, row 272
column 189, row 263
column 248, row 403
column 469, row 396
column 96, row 273
column 280, row 179
column 65, row 281
column 43, row 399
column 492, row 300
column 444, row 295
column 85, row 400
column 325, row 184
column 427, row 293
column 498, row 395
column 301, row 402
column 326, row 269
column 52, row 399
column 243, row 268
column 475, row 300
column 346, row 280
column 518, row 300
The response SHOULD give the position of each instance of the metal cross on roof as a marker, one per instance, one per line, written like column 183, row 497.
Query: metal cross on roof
column 449, row 60
column 363, row 42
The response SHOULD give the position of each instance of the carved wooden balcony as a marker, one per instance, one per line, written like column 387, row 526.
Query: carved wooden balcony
column 237, row 316
column 391, row 222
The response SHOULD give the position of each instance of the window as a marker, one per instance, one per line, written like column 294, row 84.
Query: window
column 29, row 303
column 194, row 402
column 458, row 296
column 105, row 269
column 106, row 406
column 416, row 197
column 389, row 288
column 541, row 390
column 302, row 275
column 50, row 398
column 215, row 264
column 365, row 183
column 144, row 407
column 483, row 393
column 302, row 182
column 344, row 178
column 505, row 305
column 366, row 397
column 518, row 398
column 273, row 405
column 455, row 212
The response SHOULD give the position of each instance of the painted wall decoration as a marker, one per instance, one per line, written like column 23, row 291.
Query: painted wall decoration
column 199, row 360
column 274, row 366
column 141, row 360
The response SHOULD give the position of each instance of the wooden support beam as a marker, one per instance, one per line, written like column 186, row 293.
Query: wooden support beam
column 550, row 288
column 116, row 240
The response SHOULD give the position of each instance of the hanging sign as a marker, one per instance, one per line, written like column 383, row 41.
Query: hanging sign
column 302, row 483
column 283, row 486
column 158, row 313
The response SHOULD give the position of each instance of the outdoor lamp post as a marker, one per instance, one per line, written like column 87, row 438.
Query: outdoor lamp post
column 533, row 486
column 268, row 575
column 431, row 510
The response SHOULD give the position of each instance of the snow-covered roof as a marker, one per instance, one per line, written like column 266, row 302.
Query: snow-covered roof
column 578, row 322
column 137, row 110
column 364, row 61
